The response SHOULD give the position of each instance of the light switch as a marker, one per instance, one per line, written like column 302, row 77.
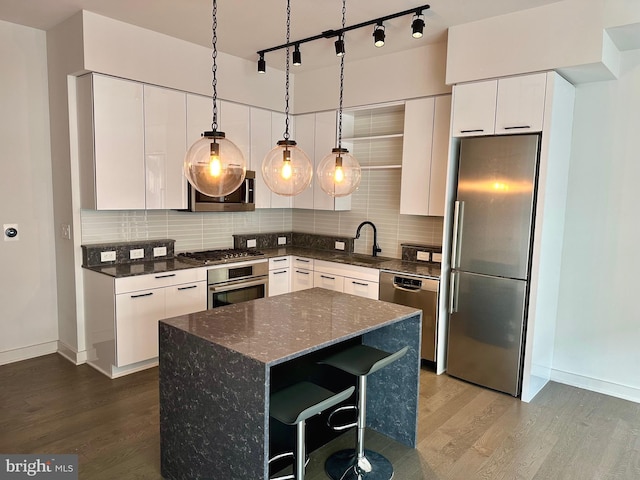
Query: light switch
column 159, row 251
column 251, row 243
column 282, row 240
column 424, row 256
column 136, row 253
column 109, row 256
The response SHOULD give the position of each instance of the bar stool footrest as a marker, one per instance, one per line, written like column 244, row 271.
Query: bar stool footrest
column 342, row 465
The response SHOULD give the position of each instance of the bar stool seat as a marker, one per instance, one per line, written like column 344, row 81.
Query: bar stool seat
column 293, row 406
column 358, row 463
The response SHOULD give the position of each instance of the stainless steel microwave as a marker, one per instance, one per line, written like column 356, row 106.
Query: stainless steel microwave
column 241, row 200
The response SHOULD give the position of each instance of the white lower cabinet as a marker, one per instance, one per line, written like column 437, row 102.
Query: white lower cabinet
column 328, row 281
column 122, row 314
column 352, row 279
column 361, row 288
column 301, row 273
column 279, row 276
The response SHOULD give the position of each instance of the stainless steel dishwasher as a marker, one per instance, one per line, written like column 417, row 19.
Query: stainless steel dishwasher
column 418, row 292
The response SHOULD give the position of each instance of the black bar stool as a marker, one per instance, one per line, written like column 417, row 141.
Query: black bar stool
column 293, row 406
column 360, row 464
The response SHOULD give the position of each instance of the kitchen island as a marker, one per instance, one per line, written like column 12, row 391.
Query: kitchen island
column 218, row 367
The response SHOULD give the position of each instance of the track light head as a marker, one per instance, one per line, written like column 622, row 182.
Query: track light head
column 297, row 56
column 417, row 26
column 378, row 35
column 340, row 46
column 262, row 65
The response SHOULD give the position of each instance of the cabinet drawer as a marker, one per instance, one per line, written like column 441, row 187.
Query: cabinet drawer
column 328, row 281
column 361, row 288
column 301, row 262
column 279, row 262
column 301, row 279
column 145, row 282
column 185, row 298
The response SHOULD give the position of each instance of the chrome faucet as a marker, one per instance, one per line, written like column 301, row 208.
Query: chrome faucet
column 375, row 248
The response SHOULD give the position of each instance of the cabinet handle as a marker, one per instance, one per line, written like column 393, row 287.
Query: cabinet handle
column 278, row 273
column 517, row 126
column 327, row 277
column 360, row 283
column 458, row 216
column 302, row 260
column 187, row 288
column 300, row 271
column 279, row 260
column 453, row 293
column 142, row 295
column 166, row 276
column 472, row 130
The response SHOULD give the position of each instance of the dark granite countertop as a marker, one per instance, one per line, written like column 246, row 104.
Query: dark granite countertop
column 275, row 329
column 177, row 263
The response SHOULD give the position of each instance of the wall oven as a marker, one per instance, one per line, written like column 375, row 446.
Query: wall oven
column 237, row 283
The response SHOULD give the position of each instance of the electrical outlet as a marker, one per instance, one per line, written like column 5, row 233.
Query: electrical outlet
column 436, row 257
column 136, row 253
column 339, row 245
column 251, row 243
column 282, row 240
column 65, row 231
column 424, row 256
column 159, row 251
column 109, row 256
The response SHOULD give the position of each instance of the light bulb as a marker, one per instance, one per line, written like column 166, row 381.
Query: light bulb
column 215, row 168
column 339, row 175
column 286, row 169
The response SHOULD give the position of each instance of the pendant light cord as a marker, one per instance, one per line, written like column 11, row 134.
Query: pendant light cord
column 344, row 14
column 214, row 68
column 286, row 94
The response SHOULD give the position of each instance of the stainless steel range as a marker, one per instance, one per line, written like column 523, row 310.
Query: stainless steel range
column 236, row 275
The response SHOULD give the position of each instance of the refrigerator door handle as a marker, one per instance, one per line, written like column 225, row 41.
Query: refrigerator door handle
column 458, row 215
column 453, row 293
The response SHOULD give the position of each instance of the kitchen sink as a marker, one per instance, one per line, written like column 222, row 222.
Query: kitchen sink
column 362, row 259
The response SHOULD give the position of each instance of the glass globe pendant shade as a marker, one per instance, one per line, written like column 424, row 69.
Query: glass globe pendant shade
column 286, row 169
column 214, row 165
column 339, row 173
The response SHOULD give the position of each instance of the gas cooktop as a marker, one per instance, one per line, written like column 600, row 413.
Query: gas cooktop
column 227, row 254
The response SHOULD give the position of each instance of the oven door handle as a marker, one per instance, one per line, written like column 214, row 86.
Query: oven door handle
column 235, row 286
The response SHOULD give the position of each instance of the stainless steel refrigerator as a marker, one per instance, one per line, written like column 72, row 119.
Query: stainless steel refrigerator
column 491, row 258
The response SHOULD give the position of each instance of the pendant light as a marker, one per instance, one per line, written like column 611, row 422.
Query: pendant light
column 286, row 169
column 339, row 172
column 214, row 165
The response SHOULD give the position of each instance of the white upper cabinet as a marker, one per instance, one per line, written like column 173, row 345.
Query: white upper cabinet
column 520, row 105
column 416, row 156
column 424, row 156
column 261, row 144
column 305, row 138
column 503, row 106
column 111, row 143
column 199, row 116
column 235, row 123
column 474, row 108
column 165, row 147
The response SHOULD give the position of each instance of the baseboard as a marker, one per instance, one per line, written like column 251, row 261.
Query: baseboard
column 75, row 357
column 25, row 353
column 595, row 385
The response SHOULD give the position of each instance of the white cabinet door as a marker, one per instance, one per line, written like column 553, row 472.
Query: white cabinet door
column 165, row 131
column 361, row 288
column 235, row 123
column 416, row 156
column 199, row 116
column 277, row 134
column 186, row 298
column 261, row 144
column 118, row 115
column 301, row 279
column 137, row 316
column 328, row 281
column 305, row 138
column 474, row 108
column 440, row 155
column 520, row 106
column 279, row 281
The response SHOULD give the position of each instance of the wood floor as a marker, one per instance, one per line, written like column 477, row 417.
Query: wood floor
column 48, row 405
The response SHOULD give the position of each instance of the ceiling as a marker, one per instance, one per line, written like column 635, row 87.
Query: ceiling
column 246, row 26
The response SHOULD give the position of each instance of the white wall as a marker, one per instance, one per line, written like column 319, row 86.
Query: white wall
column 419, row 72
column 598, row 329
column 28, row 284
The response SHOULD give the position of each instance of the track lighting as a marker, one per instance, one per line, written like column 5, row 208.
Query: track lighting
column 417, row 26
column 378, row 35
column 297, row 56
column 340, row 47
